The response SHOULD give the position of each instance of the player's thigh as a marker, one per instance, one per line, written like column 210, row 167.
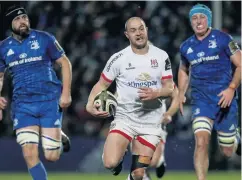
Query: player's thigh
column 202, row 123
column 145, row 145
column 28, row 138
column 51, row 139
column 51, row 114
column 24, row 115
column 226, row 127
column 158, row 153
column 120, row 135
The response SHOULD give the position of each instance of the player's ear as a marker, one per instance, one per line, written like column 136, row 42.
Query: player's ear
column 126, row 34
column 146, row 29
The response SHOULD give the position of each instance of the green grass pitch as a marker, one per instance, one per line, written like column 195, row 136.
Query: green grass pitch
column 79, row 176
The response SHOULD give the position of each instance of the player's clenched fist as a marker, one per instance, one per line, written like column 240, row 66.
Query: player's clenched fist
column 3, row 103
column 65, row 101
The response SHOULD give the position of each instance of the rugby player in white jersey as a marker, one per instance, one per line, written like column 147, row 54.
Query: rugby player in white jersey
column 143, row 76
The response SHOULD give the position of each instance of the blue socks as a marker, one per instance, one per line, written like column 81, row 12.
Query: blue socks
column 38, row 172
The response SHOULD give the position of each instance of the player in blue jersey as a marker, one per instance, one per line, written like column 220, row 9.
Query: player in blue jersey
column 207, row 57
column 38, row 96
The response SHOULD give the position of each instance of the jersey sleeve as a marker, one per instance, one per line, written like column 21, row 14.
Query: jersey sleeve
column 2, row 62
column 55, row 51
column 166, row 69
column 229, row 45
column 183, row 60
column 111, row 69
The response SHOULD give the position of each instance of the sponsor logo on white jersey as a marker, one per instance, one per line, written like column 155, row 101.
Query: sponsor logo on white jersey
column 143, row 80
column 130, row 67
column 154, row 63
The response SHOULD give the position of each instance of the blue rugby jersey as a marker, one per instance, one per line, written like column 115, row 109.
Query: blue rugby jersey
column 210, row 64
column 30, row 65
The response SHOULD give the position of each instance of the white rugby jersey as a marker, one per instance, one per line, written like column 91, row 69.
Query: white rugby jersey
column 132, row 71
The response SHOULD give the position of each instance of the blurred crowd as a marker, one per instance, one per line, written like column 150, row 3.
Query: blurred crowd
column 90, row 32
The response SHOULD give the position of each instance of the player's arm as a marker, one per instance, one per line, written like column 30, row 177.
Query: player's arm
column 167, row 116
column 146, row 93
column 234, row 52
column 109, row 73
column 3, row 101
column 57, row 55
column 183, row 81
column 1, row 81
column 101, row 85
column 236, row 60
column 66, row 72
column 174, row 103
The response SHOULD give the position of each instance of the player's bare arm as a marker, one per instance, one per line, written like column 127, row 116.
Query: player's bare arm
column 101, row 85
column 65, row 99
column 3, row 101
column 146, row 93
column 228, row 94
column 173, row 107
column 183, row 80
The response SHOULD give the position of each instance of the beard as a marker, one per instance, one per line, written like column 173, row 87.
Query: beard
column 140, row 46
column 22, row 32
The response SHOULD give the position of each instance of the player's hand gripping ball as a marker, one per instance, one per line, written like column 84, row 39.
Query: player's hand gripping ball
column 106, row 101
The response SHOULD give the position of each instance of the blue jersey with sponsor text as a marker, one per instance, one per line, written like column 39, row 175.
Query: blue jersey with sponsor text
column 210, row 64
column 30, row 65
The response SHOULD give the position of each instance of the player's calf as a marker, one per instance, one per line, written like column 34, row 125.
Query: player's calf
column 29, row 140
column 139, row 164
column 52, row 148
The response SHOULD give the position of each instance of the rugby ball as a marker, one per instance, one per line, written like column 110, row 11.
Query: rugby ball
column 107, row 102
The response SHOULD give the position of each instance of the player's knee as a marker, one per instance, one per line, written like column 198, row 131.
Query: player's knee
column 52, row 155
column 202, row 130
column 110, row 162
column 52, row 148
column 139, row 163
column 30, row 152
column 29, row 140
column 202, row 141
column 227, row 151
column 226, row 142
